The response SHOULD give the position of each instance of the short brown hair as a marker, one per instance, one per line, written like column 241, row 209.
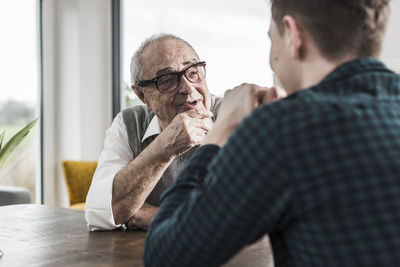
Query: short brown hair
column 338, row 26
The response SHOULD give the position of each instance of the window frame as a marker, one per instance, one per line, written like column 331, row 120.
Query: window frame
column 40, row 100
column 116, row 21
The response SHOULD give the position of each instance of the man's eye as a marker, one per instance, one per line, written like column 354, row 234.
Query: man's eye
column 165, row 83
column 166, row 80
column 193, row 73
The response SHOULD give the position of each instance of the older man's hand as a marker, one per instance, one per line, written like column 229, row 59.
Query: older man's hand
column 143, row 218
column 237, row 104
column 185, row 131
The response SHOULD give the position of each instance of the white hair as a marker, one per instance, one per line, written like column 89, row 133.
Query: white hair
column 137, row 58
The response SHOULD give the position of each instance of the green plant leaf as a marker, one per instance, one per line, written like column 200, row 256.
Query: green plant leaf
column 15, row 141
column 2, row 137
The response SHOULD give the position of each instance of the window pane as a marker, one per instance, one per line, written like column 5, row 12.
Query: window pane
column 19, row 90
column 231, row 36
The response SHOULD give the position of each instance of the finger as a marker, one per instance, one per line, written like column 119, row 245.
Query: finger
column 227, row 92
column 261, row 94
column 270, row 96
column 281, row 92
column 131, row 224
column 200, row 114
column 275, row 93
column 202, row 124
column 198, row 129
column 197, row 137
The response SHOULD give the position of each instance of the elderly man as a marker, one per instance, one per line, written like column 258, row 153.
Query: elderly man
column 147, row 146
column 319, row 171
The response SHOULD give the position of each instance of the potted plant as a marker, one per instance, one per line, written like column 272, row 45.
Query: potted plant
column 11, row 145
column 13, row 142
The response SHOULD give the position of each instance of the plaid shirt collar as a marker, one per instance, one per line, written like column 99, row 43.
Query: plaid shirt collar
column 352, row 67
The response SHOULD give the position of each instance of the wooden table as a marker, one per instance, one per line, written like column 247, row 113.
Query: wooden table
column 41, row 235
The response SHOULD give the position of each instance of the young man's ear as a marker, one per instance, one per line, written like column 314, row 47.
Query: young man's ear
column 140, row 93
column 293, row 36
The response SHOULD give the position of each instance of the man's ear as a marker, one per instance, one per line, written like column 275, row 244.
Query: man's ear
column 293, row 36
column 140, row 93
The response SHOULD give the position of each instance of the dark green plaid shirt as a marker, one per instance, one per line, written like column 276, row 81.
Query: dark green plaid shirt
column 318, row 171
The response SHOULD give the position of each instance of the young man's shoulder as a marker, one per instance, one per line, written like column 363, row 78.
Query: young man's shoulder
column 303, row 102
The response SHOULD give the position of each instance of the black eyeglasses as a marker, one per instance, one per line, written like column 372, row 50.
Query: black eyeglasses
column 169, row 82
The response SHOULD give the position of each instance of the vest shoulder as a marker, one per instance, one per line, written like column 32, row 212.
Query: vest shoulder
column 139, row 115
column 137, row 111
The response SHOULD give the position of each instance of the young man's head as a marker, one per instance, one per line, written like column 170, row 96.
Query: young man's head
column 337, row 29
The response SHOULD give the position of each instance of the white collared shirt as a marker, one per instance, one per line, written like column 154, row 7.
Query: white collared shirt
column 115, row 156
column 153, row 129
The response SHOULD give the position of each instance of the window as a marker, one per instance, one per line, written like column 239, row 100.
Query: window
column 231, row 36
column 19, row 90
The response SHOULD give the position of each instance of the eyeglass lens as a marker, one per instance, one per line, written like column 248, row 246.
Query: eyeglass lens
column 169, row 82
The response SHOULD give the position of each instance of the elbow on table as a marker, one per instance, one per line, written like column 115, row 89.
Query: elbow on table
column 99, row 220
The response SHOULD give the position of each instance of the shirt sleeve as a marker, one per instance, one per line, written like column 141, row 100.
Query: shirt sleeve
column 223, row 200
column 115, row 155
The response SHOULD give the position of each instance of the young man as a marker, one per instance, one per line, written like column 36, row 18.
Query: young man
column 319, row 171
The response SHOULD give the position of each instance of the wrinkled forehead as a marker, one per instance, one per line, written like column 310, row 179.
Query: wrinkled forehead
column 166, row 56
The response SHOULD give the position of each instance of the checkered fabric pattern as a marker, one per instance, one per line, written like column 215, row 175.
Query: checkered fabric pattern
column 318, row 171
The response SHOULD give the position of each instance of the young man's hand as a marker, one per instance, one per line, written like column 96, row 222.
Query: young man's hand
column 237, row 104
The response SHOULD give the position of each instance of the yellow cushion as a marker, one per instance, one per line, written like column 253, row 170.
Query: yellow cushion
column 79, row 206
column 78, row 175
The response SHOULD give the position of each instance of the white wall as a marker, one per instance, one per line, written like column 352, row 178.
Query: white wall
column 77, row 86
column 391, row 45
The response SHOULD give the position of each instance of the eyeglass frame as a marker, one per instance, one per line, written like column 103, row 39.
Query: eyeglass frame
column 179, row 74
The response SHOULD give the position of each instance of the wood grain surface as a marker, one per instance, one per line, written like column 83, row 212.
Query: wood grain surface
column 39, row 235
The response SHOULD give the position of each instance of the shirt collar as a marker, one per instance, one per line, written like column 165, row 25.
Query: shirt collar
column 154, row 128
column 355, row 66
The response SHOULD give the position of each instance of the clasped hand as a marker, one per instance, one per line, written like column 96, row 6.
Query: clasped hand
column 237, row 104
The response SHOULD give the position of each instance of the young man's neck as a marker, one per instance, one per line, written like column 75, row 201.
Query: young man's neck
column 318, row 68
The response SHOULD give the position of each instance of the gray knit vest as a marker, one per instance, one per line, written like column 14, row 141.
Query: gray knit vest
column 137, row 119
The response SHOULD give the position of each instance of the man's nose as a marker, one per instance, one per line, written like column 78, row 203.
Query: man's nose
column 185, row 87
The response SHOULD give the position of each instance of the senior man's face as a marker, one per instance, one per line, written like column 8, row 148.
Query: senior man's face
column 171, row 56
